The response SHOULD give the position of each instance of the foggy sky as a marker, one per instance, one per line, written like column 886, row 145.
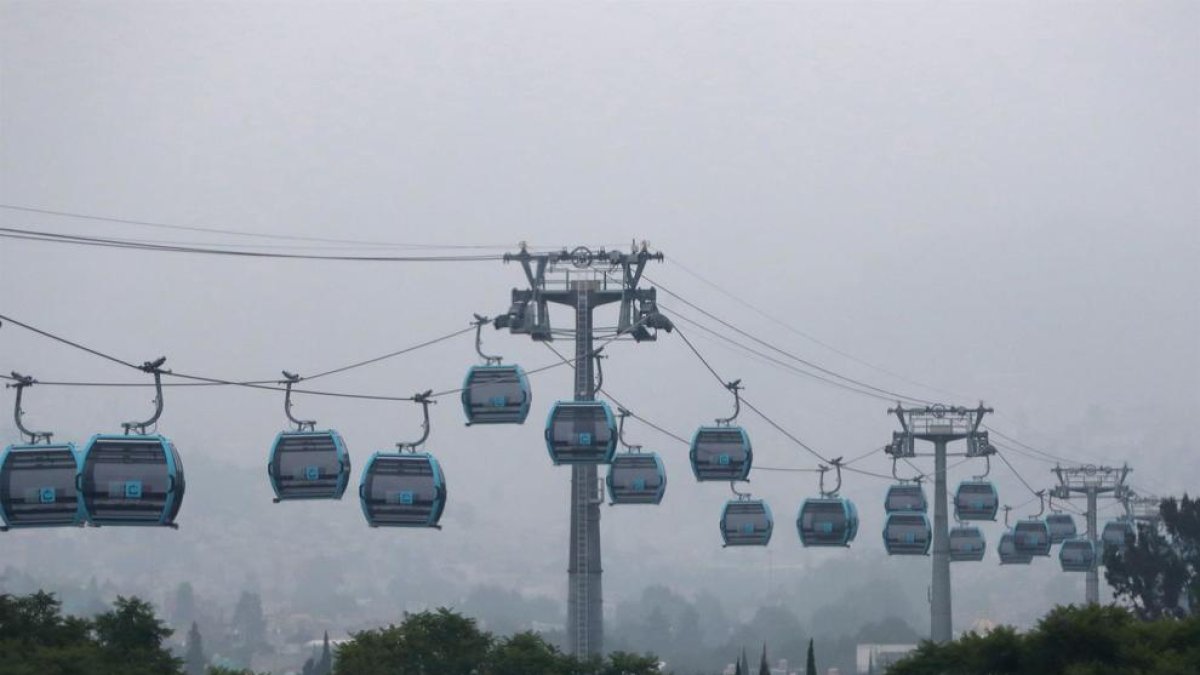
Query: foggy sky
column 997, row 200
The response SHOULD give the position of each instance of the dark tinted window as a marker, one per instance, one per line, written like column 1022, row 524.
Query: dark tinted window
column 583, row 426
column 37, row 486
column 402, row 490
column 495, row 387
column 126, row 479
column 824, row 521
column 307, row 464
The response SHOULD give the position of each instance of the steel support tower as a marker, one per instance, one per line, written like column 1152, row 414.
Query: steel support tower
column 584, row 280
column 940, row 425
column 1091, row 481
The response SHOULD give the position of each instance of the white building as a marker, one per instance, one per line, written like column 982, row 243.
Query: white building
column 881, row 655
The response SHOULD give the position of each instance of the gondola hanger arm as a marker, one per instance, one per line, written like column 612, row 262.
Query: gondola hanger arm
column 20, row 383
column 622, row 413
column 735, row 387
column 301, row 425
column 741, row 496
column 426, row 400
column 479, row 322
column 155, row 368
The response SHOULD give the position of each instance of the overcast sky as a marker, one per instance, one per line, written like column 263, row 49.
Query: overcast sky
column 994, row 201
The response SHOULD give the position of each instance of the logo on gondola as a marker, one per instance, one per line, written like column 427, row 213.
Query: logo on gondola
column 133, row 489
column 312, row 472
column 47, row 495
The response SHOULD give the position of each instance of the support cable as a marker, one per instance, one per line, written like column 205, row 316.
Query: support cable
column 767, row 419
column 891, row 395
column 241, row 233
column 745, row 303
column 104, row 242
column 790, row 367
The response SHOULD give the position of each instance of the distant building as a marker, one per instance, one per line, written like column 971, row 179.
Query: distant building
column 882, row 655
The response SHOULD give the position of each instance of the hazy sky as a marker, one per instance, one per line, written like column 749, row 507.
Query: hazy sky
column 999, row 200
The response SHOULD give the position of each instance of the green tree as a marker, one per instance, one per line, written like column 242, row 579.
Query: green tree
column 624, row 663
column 1158, row 574
column 440, row 642
column 526, row 653
column 194, row 659
column 810, row 663
column 1089, row 640
column 35, row 638
column 131, row 639
column 763, row 667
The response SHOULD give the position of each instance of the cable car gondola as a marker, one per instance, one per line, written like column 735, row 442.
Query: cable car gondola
column 907, row 533
column 827, row 520
column 306, row 463
column 1061, row 526
column 635, row 477
column 1031, row 536
column 967, row 544
column 494, row 393
column 1007, row 550
column 404, row 489
column 976, row 500
column 1117, row 534
column 905, row 497
column 135, row 478
column 1077, row 555
column 722, row 452
column 581, row 432
column 746, row 522
column 37, row 486
column 37, row 479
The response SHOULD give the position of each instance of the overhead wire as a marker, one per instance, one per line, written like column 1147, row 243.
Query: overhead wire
column 783, row 364
column 765, row 417
column 841, row 381
column 390, row 355
column 807, row 336
column 105, row 242
column 200, row 380
column 891, row 395
column 242, row 233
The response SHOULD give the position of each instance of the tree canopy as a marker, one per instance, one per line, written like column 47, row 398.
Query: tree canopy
column 1158, row 573
column 1090, row 640
column 443, row 642
column 36, row 639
